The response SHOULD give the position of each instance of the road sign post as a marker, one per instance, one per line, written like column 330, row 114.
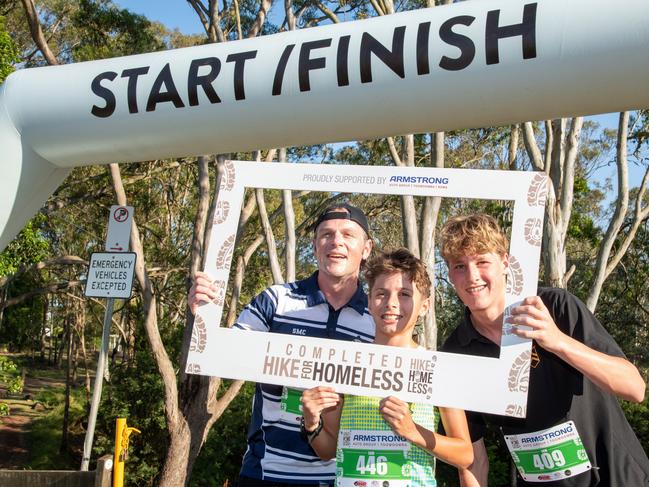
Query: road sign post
column 110, row 275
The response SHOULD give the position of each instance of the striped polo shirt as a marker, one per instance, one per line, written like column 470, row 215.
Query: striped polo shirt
column 276, row 450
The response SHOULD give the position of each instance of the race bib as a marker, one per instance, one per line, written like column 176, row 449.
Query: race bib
column 290, row 401
column 372, row 458
column 551, row 454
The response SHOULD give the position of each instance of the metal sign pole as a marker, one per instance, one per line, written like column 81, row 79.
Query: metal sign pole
column 99, row 380
column 110, row 275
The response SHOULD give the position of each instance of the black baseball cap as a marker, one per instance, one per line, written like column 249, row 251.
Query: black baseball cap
column 343, row 211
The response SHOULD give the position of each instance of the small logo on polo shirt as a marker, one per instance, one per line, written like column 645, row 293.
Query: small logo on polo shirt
column 299, row 331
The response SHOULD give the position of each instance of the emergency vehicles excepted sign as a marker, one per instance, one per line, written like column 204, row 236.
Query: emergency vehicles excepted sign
column 119, row 228
column 110, row 275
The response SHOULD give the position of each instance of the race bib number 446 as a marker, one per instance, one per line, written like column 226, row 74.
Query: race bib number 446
column 552, row 454
column 360, row 464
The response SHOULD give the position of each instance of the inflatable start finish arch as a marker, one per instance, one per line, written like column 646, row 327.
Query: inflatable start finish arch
column 471, row 64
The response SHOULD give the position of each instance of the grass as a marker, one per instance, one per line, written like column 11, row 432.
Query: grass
column 44, row 440
column 45, row 386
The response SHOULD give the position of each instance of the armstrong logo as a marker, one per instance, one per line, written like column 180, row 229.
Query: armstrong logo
column 375, row 438
column 419, row 180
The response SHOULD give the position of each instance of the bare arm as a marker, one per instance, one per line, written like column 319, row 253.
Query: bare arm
column 455, row 448
column 322, row 402
column 478, row 472
column 612, row 374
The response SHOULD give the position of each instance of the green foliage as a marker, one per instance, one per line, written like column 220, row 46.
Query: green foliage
column 10, row 380
column 10, row 377
column 135, row 392
column 582, row 227
column 638, row 417
column 109, row 31
column 8, row 52
column 220, row 457
column 45, row 435
column 20, row 324
column 29, row 247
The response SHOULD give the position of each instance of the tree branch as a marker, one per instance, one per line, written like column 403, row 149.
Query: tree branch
column 264, row 7
column 165, row 367
column 621, row 206
column 37, row 31
column 532, row 148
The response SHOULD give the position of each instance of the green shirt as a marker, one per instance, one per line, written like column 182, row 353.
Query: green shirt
column 369, row 453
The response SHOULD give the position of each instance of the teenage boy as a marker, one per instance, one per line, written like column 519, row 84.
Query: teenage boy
column 577, row 371
column 329, row 304
column 399, row 293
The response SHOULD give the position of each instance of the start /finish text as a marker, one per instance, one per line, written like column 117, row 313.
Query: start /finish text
column 196, row 86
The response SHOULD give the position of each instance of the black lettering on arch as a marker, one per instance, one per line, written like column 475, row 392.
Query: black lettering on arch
column 306, row 63
column 526, row 29
column 239, row 60
column 393, row 59
column 156, row 96
column 194, row 80
column 462, row 42
column 132, row 75
column 105, row 93
column 423, row 34
column 281, row 67
column 342, row 56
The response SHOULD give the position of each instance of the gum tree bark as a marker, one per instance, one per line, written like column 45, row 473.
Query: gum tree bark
column 558, row 162
column 607, row 259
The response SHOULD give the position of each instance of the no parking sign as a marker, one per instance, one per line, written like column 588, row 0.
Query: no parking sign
column 119, row 228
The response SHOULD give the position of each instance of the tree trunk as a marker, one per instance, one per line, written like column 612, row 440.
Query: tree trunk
column 605, row 263
column 408, row 209
column 68, row 379
column 289, row 227
column 559, row 163
column 428, row 226
column 46, row 303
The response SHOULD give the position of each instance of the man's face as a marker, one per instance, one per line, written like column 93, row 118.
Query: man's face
column 395, row 303
column 480, row 281
column 340, row 246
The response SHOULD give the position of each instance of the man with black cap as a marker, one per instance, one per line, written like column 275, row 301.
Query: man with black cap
column 330, row 303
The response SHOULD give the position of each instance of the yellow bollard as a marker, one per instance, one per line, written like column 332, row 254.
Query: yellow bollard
column 122, row 432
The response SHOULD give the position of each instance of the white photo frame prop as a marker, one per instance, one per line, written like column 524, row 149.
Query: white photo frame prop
column 493, row 385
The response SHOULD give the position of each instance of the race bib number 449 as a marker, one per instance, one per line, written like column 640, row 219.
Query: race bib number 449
column 552, row 454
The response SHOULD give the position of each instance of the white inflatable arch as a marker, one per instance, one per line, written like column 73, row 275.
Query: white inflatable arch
column 471, row 64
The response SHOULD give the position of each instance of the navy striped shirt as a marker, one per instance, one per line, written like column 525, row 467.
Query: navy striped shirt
column 276, row 450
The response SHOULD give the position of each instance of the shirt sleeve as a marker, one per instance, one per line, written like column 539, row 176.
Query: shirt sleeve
column 573, row 318
column 258, row 314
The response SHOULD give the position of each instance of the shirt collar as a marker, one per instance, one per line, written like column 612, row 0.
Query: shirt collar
column 466, row 332
column 310, row 290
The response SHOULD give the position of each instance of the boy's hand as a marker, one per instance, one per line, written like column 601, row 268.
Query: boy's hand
column 315, row 401
column 544, row 331
column 202, row 291
column 396, row 413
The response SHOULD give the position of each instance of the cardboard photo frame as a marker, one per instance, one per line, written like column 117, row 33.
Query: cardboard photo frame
column 494, row 385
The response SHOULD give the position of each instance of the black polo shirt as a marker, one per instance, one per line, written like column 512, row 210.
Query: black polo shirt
column 559, row 393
